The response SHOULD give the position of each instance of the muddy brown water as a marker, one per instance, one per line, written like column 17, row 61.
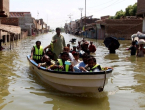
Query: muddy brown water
column 21, row 88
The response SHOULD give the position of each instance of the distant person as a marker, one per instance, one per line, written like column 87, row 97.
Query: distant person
column 85, row 47
column 79, row 46
column 112, row 47
column 37, row 52
column 140, row 52
column 68, row 45
column 74, row 49
column 92, row 47
column 58, row 43
column 132, row 48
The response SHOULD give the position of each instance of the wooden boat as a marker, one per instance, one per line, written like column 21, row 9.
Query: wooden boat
column 72, row 82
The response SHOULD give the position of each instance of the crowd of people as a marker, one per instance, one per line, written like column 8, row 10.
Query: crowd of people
column 137, row 49
column 59, row 57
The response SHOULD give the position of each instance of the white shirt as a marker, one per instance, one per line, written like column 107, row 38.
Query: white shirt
column 71, row 57
column 74, row 62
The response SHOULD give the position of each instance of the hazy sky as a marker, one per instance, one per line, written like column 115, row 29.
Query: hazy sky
column 55, row 12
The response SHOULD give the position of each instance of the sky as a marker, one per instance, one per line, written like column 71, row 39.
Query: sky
column 56, row 12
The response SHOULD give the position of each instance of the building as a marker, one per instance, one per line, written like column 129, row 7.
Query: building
column 141, row 12
column 119, row 28
column 4, row 8
column 25, row 21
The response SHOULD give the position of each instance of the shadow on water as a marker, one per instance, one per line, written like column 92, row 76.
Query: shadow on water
column 75, row 103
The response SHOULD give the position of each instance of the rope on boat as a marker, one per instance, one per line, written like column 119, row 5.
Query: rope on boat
column 100, row 89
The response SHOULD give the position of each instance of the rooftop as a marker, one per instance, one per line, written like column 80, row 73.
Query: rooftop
column 18, row 14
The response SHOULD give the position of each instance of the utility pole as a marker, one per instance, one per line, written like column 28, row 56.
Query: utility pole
column 70, row 21
column 85, row 18
column 66, row 26
column 81, row 17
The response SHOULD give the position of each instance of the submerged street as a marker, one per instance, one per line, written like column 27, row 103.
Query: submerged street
column 22, row 89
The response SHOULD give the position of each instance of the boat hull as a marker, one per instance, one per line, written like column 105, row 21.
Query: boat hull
column 71, row 82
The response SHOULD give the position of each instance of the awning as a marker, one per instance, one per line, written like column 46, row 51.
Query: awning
column 10, row 28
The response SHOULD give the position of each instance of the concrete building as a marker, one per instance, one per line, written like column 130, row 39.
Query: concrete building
column 141, row 12
column 4, row 8
column 25, row 21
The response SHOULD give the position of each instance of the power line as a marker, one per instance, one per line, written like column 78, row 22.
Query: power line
column 116, row 2
column 101, row 4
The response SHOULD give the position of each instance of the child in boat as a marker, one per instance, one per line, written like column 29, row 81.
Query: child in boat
column 46, row 62
column 66, row 49
column 92, row 66
column 76, row 60
column 79, row 67
column 68, row 45
column 63, row 64
column 132, row 48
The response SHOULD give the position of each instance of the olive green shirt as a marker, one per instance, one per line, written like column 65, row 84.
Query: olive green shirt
column 59, row 45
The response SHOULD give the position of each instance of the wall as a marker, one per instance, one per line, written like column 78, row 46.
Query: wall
column 140, row 7
column 4, row 6
column 122, row 28
column 10, row 21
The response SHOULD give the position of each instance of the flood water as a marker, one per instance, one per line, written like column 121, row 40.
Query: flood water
column 21, row 88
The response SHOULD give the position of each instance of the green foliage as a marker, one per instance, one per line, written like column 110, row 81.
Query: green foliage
column 119, row 14
column 129, row 11
column 111, row 17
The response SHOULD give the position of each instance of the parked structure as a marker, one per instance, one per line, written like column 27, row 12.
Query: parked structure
column 8, row 33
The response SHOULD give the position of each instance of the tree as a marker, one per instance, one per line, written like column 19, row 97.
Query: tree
column 119, row 14
column 129, row 11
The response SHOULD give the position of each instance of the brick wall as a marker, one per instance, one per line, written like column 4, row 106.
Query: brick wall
column 122, row 28
column 10, row 21
column 140, row 7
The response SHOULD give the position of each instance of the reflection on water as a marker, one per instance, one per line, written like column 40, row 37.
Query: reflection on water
column 21, row 88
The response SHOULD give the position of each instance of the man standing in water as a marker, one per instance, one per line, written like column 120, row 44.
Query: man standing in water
column 58, row 43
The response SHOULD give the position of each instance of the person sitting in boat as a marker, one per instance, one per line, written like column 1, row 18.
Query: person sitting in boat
column 66, row 49
column 92, row 66
column 63, row 64
column 92, row 47
column 46, row 62
column 79, row 46
column 74, row 49
column 76, row 60
column 37, row 52
column 78, row 67
column 50, row 54
column 68, row 45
